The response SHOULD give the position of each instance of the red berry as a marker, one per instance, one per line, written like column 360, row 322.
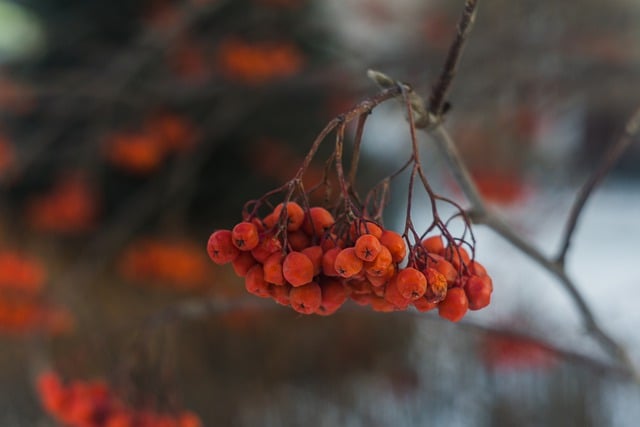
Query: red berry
column 245, row 236
column 395, row 243
column 478, row 290
column 306, row 299
column 297, row 269
column 295, row 215
column 220, row 247
column 454, row 306
column 411, row 283
column 367, row 247
column 347, row 263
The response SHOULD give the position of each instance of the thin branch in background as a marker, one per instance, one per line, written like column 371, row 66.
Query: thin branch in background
column 608, row 162
column 442, row 86
column 481, row 215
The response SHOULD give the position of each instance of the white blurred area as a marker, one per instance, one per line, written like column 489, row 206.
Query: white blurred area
column 21, row 34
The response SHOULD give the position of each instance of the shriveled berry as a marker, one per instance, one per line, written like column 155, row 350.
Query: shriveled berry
column 411, row 283
column 297, row 269
column 220, row 247
column 454, row 306
column 368, row 247
column 395, row 243
column 478, row 290
column 436, row 285
column 347, row 263
column 306, row 299
column 245, row 236
column 295, row 215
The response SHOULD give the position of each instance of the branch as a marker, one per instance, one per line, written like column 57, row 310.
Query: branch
column 442, row 86
column 610, row 159
column 481, row 215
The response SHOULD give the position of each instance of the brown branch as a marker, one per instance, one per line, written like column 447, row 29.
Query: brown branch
column 608, row 162
column 481, row 215
column 442, row 86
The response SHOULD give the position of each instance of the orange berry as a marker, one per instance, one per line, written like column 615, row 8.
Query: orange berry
column 329, row 262
column 306, row 299
column 395, row 243
column 347, row 263
column 476, row 268
column 393, row 295
column 382, row 305
column 281, row 294
column 254, row 282
column 270, row 220
column 245, row 236
column 455, row 253
column 322, row 221
column 478, row 290
column 423, row 305
column 380, row 265
column 273, row 269
column 334, row 294
column 295, row 215
column 188, row 419
column 220, row 247
column 362, row 299
column 444, row 267
column 436, row 285
column 267, row 246
column 411, row 283
column 243, row 263
column 454, row 306
column 297, row 269
column 359, row 286
column 380, row 281
column 315, row 255
column 433, row 245
column 365, row 227
column 367, row 247
column 298, row 240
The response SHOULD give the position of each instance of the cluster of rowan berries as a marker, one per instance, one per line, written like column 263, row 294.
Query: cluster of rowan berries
column 93, row 404
column 312, row 263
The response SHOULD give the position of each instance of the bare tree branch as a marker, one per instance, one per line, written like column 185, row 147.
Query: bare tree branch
column 608, row 162
column 480, row 214
column 442, row 86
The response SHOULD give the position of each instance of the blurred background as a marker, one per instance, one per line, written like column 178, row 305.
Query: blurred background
column 130, row 130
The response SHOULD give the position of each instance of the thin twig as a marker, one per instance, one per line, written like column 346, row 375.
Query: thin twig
column 609, row 160
column 442, row 86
